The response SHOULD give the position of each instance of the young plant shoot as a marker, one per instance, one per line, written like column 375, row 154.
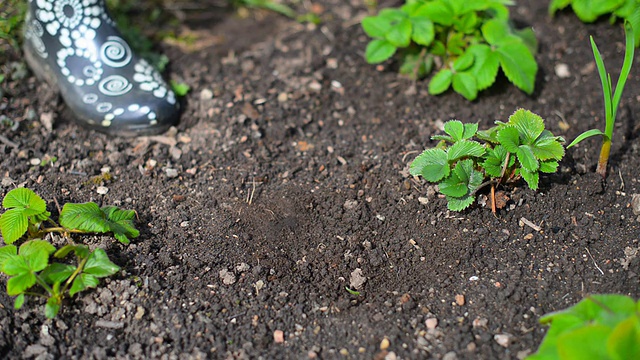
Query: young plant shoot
column 520, row 148
column 611, row 99
column 29, row 264
column 465, row 42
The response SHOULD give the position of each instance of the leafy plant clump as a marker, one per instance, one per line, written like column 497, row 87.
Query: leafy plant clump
column 32, row 263
column 589, row 11
column 603, row 327
column 612, row 97
column 465, row 41
column 460, row 165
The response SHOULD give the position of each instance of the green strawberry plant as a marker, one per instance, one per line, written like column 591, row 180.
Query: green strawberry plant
column 37, row 262
column 466, row 159
column 590, row 10
column 465, row 42
column 600, row 327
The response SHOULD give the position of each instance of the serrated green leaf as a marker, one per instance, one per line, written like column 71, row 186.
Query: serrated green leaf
column 547, row 147
column 531, row 177
column 590, row 10
column 465, row 84
column 99, row 264
column 463, row 62
column 400, row 33
column 423, row 31
column 459, row 204
column 120, row 223
column 465, row 148
column 527, row 159
column 412, row 60
column 439, row 12
column 432, row 164
column 83, row 282
column 467, row 23
column 495, row 31
column 529, row 125
column 13, row 224
column 21, row 272
column 52, row 307
column 486, row 65
column 81, row 251
column 25, row 199
column 528, row 38
column 455, row 128
column 470, row 131
column 509, row 137
column 6, row 252
column 440, row 82
column 549, row 166
column 85, row 217
column 379, row 50
column 454, row 186
column 17, row 304
column 495, row 160
column 376, row 27
column 35, row 246
column 519, row 65
column 463, row 180
column 57, row 272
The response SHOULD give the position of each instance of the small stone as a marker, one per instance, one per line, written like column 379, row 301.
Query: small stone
column 34, row 350
column 102, row 190
column 139, row 313
column 423, row 200
column 278, row 336
column 562, row 70
column 171, row 173
column 206, row 94
column 635, row 204
column 384, row 344
column 242, row 267
column 283, row 97
column 357, row 280
column 471, row 347
column 350, row 204
column 460, row 299
column 503, row 340
column 344, row 352
column 391, row 356
column 431, row 323
column 227, row 277
column 529, row 236
column 47, row 121
column 474, row 278
column 480, row 323
column 450, row 356
column 109, row 324
column 34, row 161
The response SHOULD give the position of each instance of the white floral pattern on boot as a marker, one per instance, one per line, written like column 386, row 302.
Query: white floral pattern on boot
column 74, row 44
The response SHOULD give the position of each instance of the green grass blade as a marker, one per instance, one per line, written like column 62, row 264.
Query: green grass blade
column 606, row 85
column 626, row 69
column 586, row 134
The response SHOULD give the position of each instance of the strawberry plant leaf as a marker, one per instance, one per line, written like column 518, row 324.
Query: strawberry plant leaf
column 455, row 129
column 34, row 246
column 85, row 217
column 495, row 161
column 531, row 177
column 624, row 340
column 52, row 307
column 465, row 84
column 6, row 252
column 81, row 251
column 588, row 342
column 400, row 33
column 509, row 137
column 378, row 51
column 465, row 148
column 21, row 272
column 376, row 27
column 13, row 224
column 453, row 186
column 459, row 204
column 26, row 200
column 17, row 304
column 83, row 282
column 558, row 5
column 423, row 31
column 590, row 10
column 57, row 272
column 463, row 62
column 432, row 164
column 529, row 125
column 519, row 65
column 549, row 166
column 495, row 31
column 120, row 223
column 439, row 12
column 527, row 159
column 486, row 65
column 464, row 179
column 440, row 82
column 469, row 131
column 99, row 265
column 547, row 147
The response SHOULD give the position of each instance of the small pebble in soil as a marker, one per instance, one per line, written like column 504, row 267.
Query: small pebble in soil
column 171, row 173
column 562, row 70
column 474, row 278
column 635, row 204
column 480, row 323
column 227, row 277
column 450, row 356
column 503, row 340
column 460, row 299
column 384, row 344
column 278, row 336
column 357, row 280
column 431, row 323
column 102, row 190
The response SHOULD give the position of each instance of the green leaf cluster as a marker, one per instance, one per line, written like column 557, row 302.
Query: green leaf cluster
column 590, row 10
column 31, row 263
column 466, row 157
column 469, row 40
column 603, row 327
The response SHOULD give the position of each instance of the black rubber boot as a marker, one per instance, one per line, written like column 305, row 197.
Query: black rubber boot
column 74, row 45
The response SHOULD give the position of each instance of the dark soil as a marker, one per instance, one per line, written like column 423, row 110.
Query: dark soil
column 292, row 176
